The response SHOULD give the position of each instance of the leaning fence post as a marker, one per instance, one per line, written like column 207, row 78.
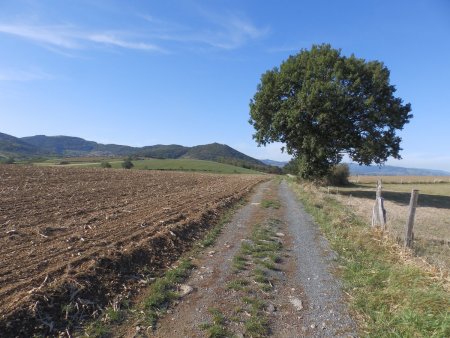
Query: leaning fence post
column 379, row 186
column 382, row 213
column 379, row 213
column 375, row 220
column 412, row 212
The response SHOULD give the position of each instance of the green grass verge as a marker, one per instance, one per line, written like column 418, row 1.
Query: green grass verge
column 258, row 255
column 238, row 284
column 162, row 292
column 392, row 298
column 270, row 204
column 216, row 329
column 258, row 324
column 239, row 262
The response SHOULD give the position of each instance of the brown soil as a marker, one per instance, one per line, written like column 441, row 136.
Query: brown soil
column 79, row 236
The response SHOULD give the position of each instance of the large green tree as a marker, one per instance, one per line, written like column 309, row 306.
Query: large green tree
column 323, row 105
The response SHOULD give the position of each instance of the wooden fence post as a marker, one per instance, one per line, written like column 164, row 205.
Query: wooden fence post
column 382, row 213
column 379, row 213
column 379, row 187
column 409, row 238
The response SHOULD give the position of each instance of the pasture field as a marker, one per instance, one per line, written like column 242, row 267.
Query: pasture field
column 432, row 221
column 153, row 164
column 70, row 238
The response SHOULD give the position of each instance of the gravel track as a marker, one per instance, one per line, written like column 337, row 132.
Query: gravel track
column 326, row 314
column 306, row 300
column 210, row 279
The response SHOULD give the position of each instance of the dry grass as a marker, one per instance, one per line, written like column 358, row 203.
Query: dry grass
column 432, row 222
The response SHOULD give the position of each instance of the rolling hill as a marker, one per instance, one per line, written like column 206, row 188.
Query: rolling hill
column 219, row 153
column 163, row 151
column 11, row 146
column 75, row 146
column 68, row 146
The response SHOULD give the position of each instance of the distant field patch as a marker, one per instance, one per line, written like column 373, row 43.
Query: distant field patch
column 187, row 165
column 154, row 164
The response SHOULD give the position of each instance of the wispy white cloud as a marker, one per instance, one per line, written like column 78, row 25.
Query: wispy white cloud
column 225, row 31
column 230, row 30
column 23, row 75
column 111, row 39
column 162, row 24
column 56, row 36
column 70, row 37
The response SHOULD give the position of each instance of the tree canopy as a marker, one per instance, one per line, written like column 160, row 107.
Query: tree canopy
column 323, row 105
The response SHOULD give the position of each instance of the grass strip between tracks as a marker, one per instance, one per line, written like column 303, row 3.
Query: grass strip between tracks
column 163, row 290
column 391, row 297
column 253, row 280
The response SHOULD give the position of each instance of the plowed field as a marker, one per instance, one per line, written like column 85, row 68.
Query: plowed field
column 68, row 233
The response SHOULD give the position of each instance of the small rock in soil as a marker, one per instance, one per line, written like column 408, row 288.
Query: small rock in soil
column 279, row 234
column 297, row 303
column 271, row 308
column 185, row 290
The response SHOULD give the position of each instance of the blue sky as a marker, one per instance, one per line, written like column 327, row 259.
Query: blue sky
column 147, row 72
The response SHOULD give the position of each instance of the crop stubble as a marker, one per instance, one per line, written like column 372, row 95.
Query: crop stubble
column 57, row 224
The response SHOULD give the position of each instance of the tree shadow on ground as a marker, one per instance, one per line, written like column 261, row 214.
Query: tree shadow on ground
column 403, row 198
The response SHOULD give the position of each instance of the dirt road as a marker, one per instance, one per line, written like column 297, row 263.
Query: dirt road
column 269, row 274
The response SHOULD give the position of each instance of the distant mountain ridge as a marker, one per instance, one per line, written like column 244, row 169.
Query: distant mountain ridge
column 279, row 164
column 75, row 146
column 69, row 146
column 388, row 170
column 10, row 145
column 210, row 152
